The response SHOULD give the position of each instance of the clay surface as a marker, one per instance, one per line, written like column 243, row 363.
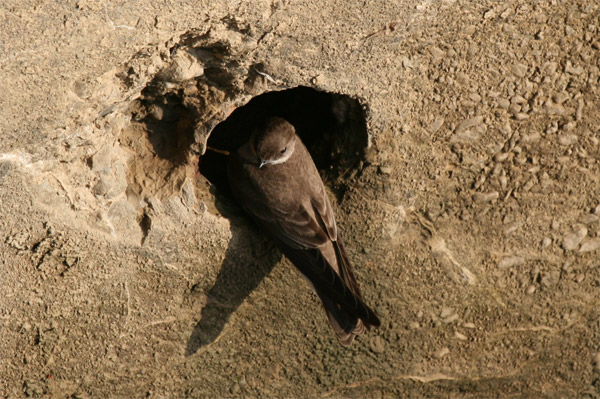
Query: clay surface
column 471, row 211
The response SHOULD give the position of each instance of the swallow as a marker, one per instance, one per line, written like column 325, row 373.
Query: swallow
column 274, row 179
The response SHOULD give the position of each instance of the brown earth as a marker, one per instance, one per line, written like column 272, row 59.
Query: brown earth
column 460, row 140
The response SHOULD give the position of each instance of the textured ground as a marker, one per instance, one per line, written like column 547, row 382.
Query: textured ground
column 471, row 212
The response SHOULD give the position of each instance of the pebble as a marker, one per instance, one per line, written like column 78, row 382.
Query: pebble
column 546, row 241
column 593, row 244
column 441, row 353
column 460, row 336
column 517, row 99
column 503, row 103
column 386, row 170
column 468, row 123
column 446, row 312
column 521, row 116
column 561, row 97
column 554, row 109
column 414, row 325
column 503, row 181
column 501, row 157
column 519, row 70
column 532, row 137
column 550, row 278
column 573, row 70
column 450, row 319
column 530, row 290
column 510, row 261
column 512, row 228
column 468, row 325
column 436, row 54
column 435, row 125
column 572, row 240
column 486, row 197
column 183, row 67
column 377, row 344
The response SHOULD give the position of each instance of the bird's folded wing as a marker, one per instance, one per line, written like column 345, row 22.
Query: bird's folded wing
column 300, row 235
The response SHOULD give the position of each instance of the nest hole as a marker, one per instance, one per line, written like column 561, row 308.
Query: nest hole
column 332, row 126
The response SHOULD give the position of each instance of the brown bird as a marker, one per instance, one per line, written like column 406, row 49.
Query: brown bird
column 275, row 180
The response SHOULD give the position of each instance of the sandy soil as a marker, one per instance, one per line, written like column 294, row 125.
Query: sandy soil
column 460, row 141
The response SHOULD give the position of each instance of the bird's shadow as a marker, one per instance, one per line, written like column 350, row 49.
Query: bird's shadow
column 248, row 259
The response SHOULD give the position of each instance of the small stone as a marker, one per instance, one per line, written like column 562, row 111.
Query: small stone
column 385, row 170
column 501, row 157
column 414, row 325
column 519, row 70
column 580, row 277
column 446, row 312
column 572, row 240
column 235, row 388
column 561, row 97
column 468, row 123
column 569, row 30
column 546, row 241
column 489, row 14
column 517, row 99
column 450, row 319
column 377, row 344
column 503, row 103
column 511, row 228
column 593, row 244
column 503, row 181
column 511, row 261
column 532, row 137
column 550, row 278
column 184, row 66
column 486, row 197
column 567, row 139
column 521, row 116
column 530, row 290
column 573, row 70
column 436, row 54
column 468, row 325
column 157, row 112
column 435, row 125
column 460, row 336
column 554, row 109
column 441, row 353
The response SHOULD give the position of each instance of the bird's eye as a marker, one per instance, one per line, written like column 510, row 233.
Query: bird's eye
column 284, row 150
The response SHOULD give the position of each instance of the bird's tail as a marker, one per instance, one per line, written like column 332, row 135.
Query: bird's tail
column 345, row 325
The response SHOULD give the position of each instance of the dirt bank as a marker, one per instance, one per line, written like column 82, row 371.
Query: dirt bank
column 460, row 141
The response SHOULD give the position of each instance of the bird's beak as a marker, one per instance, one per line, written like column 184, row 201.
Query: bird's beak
column 262, row 163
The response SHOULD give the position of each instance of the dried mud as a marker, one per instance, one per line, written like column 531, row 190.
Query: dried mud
column 461, row 144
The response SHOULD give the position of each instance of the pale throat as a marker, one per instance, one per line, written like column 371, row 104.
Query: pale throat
column 284, row 158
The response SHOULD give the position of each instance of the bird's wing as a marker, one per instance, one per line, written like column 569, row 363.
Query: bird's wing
column 301, row 233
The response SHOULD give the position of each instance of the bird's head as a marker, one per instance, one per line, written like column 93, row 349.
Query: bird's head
column 274, row 141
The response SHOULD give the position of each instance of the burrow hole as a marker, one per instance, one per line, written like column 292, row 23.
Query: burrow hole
column 332, row 126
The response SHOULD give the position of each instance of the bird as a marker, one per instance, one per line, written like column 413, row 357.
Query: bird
column 275, row 181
